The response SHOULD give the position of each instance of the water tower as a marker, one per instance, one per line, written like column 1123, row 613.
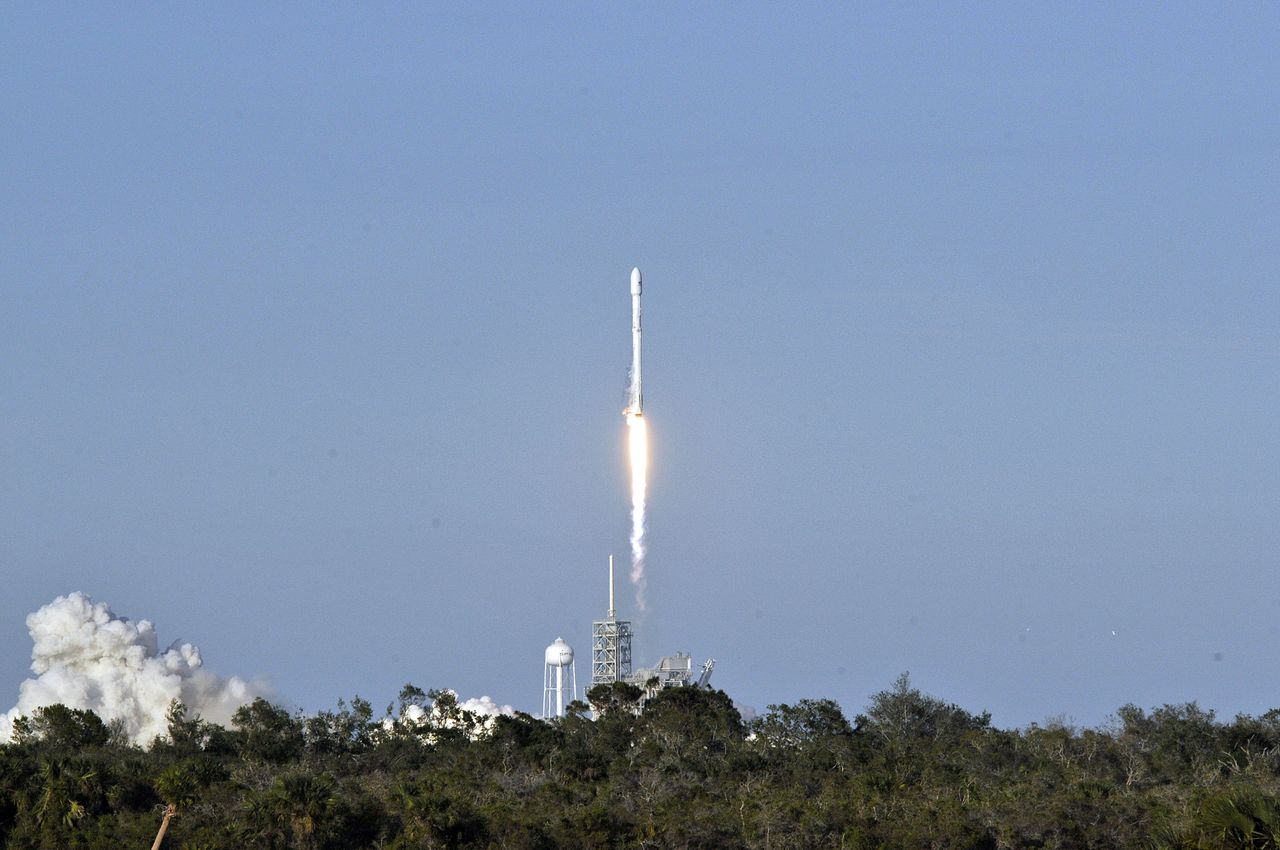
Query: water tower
column 559, row 658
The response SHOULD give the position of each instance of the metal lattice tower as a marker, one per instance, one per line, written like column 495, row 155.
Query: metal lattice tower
column 610, row 644
column 610, row 651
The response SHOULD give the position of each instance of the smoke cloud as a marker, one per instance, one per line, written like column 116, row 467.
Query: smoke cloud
column 86, row 657
column 474, row 716
column 485, row 707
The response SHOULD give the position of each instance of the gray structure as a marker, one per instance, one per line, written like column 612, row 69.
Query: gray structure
column 611, row 658
column 610, row 644
column 673, row 671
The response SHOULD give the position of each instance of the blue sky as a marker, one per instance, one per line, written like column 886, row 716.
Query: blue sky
column 960, row 323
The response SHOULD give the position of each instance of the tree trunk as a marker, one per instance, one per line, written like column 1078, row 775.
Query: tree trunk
column 169, row 812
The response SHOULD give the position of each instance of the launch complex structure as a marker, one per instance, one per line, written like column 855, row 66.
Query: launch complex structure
column 611, row 657
column 611, row 637
column 610, row 644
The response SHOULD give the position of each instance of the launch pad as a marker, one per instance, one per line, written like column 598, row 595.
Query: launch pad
column 611, row 657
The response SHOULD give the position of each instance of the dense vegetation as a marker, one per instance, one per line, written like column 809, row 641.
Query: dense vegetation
column 684, row 771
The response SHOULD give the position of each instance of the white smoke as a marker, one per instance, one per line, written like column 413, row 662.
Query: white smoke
column 484, row 707
column 86, row 657
column 474, row 716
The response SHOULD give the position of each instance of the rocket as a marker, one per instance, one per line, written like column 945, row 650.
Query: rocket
column 635, row 398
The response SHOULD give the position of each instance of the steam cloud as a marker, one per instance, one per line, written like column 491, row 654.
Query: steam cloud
column 86, row 657
column 481, row 708
column 485, row 707
column 474, row 716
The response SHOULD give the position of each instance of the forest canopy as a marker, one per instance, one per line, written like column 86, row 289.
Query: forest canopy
column 681, row 769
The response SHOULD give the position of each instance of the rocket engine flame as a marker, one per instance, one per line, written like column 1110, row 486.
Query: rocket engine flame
column 638, row 440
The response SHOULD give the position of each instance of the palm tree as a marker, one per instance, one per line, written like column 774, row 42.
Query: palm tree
column 177, row 787
column 433, row 814
column 304, row 800
column 63, row 788
column 1239, row 819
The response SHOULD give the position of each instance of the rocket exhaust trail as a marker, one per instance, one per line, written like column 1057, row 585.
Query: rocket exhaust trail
column 638, row 440
column 638, row 447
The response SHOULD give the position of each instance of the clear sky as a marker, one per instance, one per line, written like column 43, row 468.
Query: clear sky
column 962, row 352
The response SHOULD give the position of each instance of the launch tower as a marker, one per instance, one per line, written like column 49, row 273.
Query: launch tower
column 610, row 644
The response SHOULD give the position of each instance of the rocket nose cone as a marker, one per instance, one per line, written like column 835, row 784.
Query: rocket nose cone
column 635, row 281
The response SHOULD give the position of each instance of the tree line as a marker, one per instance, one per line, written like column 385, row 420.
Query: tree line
column 681, row 769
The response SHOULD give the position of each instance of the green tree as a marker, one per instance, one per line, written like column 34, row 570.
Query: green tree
column 435, row 812
column 190, row 735
column 613, row 697
column 345, row 732
column 814, row 733
column 904, row 714
column 60, row 728
column 268, row 732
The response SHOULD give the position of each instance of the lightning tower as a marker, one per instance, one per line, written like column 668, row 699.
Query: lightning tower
column 610, row 644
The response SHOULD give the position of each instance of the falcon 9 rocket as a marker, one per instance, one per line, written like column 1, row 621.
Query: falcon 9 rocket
column 635, row 399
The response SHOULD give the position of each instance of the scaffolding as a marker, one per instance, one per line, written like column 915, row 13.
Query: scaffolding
column 610, row 651
column 610, row 644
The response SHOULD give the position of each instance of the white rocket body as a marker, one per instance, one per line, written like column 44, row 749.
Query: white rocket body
column 635, row 403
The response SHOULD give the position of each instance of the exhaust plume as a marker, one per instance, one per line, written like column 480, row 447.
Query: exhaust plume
column 638, row 439
column 85, row 657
